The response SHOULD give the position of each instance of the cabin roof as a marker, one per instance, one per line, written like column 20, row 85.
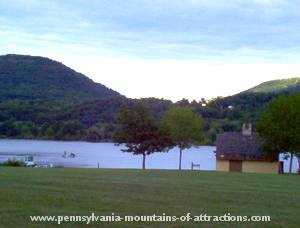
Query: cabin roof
column 236, row 146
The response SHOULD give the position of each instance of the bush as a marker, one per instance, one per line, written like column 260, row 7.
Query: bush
column 13, row 162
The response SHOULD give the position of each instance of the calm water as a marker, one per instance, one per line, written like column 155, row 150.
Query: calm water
column 108, row 155
column 88, row 155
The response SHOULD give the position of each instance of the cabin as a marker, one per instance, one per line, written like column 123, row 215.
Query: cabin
column 240, row 152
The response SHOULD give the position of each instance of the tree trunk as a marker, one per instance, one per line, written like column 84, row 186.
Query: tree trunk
column 180, row 157
column 291, row 162
column 144, row 161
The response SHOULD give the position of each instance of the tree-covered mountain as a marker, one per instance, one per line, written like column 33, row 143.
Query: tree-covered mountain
column 277, row 86
column 37, row 78
column 43, row 99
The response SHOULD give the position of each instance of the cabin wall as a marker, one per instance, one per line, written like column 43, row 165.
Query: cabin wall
column 250, row 166
column 260, row 167
column 222, row 165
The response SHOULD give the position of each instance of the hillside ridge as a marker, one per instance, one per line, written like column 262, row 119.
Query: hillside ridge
column 25, row 77
column 276, row 86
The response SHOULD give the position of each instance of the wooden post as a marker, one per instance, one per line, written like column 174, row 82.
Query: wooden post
column 291, row 162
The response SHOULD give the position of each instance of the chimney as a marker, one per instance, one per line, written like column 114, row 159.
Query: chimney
column 247, row 129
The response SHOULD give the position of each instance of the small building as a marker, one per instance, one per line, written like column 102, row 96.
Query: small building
column 240, row 152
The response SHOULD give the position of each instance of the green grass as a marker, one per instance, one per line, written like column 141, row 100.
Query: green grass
column 26, row 191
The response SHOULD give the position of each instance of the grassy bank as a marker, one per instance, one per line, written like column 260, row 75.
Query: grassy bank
column 25, row 192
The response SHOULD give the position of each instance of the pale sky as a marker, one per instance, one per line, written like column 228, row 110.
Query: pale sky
column 170, row 49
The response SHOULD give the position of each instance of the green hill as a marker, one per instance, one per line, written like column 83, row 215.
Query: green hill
column 36, row 78
column 277, row 86
column 43, row 99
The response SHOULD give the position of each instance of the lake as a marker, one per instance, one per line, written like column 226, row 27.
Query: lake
column 107, row 155
column 88, row 155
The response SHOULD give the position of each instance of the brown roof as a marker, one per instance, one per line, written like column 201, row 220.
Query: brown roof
column 236, row 146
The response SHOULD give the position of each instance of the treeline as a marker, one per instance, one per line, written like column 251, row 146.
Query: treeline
column 43, row 99
column 96, row 121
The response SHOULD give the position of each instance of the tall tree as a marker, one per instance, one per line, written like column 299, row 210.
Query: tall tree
column 279, row 126
column 186, row 128
column 140, row 133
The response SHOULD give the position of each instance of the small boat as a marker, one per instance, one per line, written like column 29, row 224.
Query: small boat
column 28, row 160
column 68, row 155
column 72, row 155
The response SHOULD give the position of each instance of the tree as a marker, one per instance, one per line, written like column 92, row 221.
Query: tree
column 186, row 128
column 140, row 133
column 279, row 126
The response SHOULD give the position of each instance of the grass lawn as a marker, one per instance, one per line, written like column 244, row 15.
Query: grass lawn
column 30, row 191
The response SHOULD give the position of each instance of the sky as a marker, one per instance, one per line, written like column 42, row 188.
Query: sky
column 169, row 49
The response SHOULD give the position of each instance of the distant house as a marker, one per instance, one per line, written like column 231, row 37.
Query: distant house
column 241, row 152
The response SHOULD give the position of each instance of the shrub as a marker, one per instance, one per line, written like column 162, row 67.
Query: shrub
column 13, row 162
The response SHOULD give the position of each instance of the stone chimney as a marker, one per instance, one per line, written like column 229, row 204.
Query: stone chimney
column 247, row 129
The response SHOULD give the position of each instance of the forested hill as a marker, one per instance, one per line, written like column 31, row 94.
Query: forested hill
column 38, row 78
column 43, row 99
column 277, row 86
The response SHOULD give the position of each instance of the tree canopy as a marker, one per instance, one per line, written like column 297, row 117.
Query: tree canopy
column 186, row 128
column 279, row 125
column 140, row 133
